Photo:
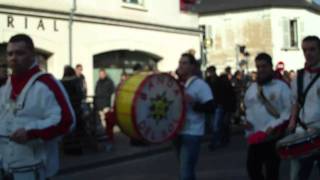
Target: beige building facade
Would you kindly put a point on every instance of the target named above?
(239, 31)
(113, 34)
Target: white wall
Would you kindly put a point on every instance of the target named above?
(230, 29)
(91, 38)
(104, 38)
(308, 22)
(164, 12)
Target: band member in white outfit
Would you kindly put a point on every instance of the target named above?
(34, 113)
(307, 105)
(268, 105)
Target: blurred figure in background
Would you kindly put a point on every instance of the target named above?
(3, 74)
(217, 113)
(102, 101)
(240, 85)
(79, 74)
(72, 84)
(227, 71)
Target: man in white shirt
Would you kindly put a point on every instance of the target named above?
(34, 113)
(199, 100)
(309, 112)
(268, 105)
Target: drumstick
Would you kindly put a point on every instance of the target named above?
(4, 136)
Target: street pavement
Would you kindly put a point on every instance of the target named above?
(223, 164)
(121, 152)
(158, 162)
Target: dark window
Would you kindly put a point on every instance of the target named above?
(293, 33)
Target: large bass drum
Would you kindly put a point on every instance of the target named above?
(150, 107)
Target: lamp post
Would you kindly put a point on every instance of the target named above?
(72, 12)
(237, 55)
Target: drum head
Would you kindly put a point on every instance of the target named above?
(158, 108)
(297, 138)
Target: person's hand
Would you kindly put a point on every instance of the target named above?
(269, 130)
(292, 124)
(311, 130)
(20, 136)
(247, 125)
(188, 98)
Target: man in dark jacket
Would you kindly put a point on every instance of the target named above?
(104, 89)
(103, 92)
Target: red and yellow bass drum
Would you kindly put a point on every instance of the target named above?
(150, 107)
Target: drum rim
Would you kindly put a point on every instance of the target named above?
(181, 119)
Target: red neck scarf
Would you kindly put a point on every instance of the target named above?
(18, 81)
(315, 69)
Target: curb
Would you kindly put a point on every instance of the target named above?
(120, 158)
(114, 160)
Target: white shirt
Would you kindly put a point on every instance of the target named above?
(278, 94)
(310, 112)
(201, 93)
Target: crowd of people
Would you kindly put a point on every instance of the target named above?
(47, 112)
(271, 104)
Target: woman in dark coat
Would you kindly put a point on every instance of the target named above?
(72, 85)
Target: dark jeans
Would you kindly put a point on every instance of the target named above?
(225, 128)
(263, 157)
(306, 166)
(216, 126)
(188, 148)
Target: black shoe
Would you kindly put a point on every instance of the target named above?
(212, 147)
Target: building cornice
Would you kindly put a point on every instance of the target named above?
(247, 9)
(94, 19)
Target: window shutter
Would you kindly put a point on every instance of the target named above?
(300, 30)
(286, 33)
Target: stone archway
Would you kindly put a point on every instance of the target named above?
(119, 62)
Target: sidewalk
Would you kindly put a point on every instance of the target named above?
(122, 152)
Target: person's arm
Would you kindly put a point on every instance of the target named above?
(58, 116)
(204, 101)
(206, 107)
(293, 119)
(285, 110)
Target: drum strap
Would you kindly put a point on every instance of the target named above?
(270, 108)
(302, 94)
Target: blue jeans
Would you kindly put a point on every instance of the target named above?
(304, 167)
(216, 125)
(188, 148)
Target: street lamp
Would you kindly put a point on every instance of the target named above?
(72, 12)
